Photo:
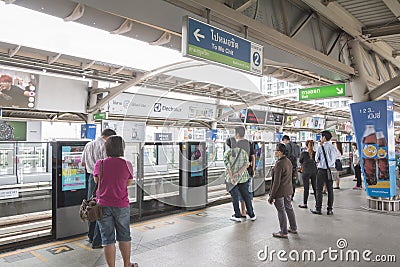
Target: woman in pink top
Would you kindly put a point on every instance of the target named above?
(112, 195)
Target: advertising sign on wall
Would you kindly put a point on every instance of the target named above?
(255, 116)
(18, 89)
(374, 129)
(159, 107)
(12, 130)
(131, 131)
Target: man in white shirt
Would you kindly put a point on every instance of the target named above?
(322, 175)
(92, 152)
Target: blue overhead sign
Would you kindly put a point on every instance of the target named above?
(201, 40)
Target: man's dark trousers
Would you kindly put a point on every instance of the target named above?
(322, 178)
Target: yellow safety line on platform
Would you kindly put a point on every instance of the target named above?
(32, 249)
(40, 257)
(82, 246)
(165, 218)
(40, 247)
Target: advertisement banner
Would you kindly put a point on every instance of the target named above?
(374, 130)
(255, 116)
(73, 173)
(129, 130)
(12, 130)
(274, 118)
(18, 89)
(160, 107)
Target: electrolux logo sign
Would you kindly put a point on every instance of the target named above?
(159, 107)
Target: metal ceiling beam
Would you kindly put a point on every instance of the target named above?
(344, 20)
(394, 6)
(245, 5)
(385, 88)
(382, 31)
(302, 25)
(271, 36)
(77, 13)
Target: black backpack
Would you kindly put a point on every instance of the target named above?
(293, 153)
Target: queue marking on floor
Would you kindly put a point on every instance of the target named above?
(63, 242)
(60, 249)
(40, 257)
(80, 238)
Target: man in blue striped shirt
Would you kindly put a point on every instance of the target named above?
(322, 175)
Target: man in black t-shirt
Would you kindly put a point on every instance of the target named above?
(244, 144)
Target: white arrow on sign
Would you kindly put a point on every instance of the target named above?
(197, 34)
(339, 91)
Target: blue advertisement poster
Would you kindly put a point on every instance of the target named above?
(374, 129)
(73, 173)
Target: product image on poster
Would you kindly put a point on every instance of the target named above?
(73, 173)
(18, 89)
(374, 130)
(196, 166)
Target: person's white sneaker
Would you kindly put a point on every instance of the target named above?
(252, 218)
(233, 218)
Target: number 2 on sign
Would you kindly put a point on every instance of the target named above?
(366, 110)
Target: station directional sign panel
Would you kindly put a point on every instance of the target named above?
(334, 90)
(203, 41)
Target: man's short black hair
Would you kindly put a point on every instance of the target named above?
(231, 142)
(285, 137)
(327, 135)
(108, 132)
(115, 146)
(240, 131)
(281, 148)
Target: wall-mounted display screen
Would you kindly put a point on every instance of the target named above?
(73, 173)
(18, 89)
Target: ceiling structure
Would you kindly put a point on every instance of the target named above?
(305, 42)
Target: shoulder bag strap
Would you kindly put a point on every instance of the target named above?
(98, 183)
(237, 157)
(326, 160)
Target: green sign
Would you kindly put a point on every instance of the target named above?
(203, 41)
(334, 90)
(100, 116)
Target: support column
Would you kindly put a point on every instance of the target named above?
(359, 86)
(92, 100)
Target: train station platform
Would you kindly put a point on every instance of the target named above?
(208, 238)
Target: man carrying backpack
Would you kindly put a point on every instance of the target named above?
(293, 153)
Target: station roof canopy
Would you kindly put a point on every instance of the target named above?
(375, 22)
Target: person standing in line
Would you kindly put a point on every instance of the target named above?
(112, 195)
(357, 167)
(281, 193)
(339, 152)
(293, 153)
(309, 171)
(92, 152)
(322, 174)
(243, 143)
(236, 161)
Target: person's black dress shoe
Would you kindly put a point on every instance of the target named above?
(316, 212)
(329, 212)
(303, 206)
(97, 246)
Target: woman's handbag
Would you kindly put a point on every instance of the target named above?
(338, 165)
(90, 210)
